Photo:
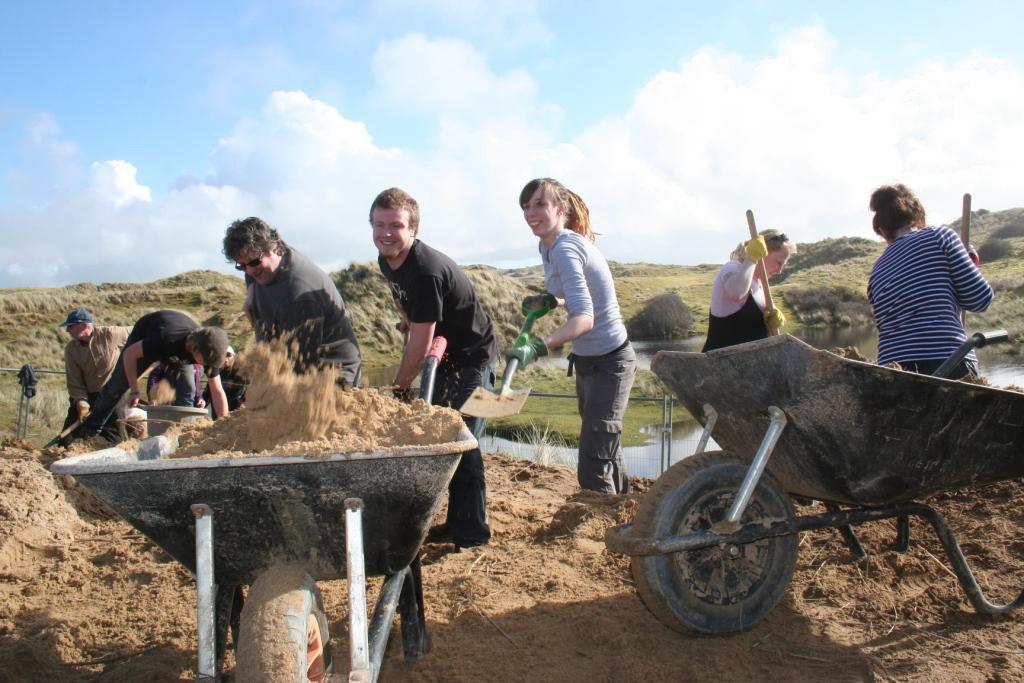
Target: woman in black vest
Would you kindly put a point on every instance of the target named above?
(737, 298)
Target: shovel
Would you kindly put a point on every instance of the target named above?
(505, 402)
(762, 273)
(55, 440)
(82, 414)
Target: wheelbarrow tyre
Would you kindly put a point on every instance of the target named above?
(284, 631)
(711, 590)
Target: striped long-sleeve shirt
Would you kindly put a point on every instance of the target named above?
(917, 288)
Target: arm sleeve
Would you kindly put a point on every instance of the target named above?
(571, 259)
(73, 376)
(973, 292)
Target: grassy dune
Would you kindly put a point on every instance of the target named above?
(824, 284)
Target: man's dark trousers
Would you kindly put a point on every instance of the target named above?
(467, 492)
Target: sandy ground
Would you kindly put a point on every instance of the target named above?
(85, 597)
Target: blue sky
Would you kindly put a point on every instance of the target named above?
(131, 134)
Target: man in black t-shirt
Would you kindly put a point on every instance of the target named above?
(438, 299)
(169, 337)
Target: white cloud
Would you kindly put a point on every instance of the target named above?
(114, 182)
(797, 140)
(451, 79)
(794, 137)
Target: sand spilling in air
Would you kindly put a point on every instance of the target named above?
(291, 414)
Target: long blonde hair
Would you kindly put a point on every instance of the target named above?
(774, 239)
(577, 215)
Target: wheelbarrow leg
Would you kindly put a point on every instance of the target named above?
(228, 607)
(846, 531)
(902, 533)
(414, 626)
(205, 609)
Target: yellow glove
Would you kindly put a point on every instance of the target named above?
(82, 407)
(756, 248)
(774, 320)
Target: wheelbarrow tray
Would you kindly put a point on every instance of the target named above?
(857, 433)
(272, 508)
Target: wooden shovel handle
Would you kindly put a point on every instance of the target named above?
(965, 222)
(762, 274)
(965, 237)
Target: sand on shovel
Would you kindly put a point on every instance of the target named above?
(311, 414)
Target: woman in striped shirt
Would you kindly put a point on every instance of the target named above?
(919, 285)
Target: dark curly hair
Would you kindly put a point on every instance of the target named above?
(252, 234)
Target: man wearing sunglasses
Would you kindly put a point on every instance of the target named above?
(290, 298)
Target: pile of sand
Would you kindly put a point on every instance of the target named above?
(35, 519)
(290, 414)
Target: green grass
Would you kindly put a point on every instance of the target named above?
(560, 416)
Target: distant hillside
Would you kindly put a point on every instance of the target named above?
(824, 284)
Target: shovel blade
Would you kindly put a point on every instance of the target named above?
(492, 404)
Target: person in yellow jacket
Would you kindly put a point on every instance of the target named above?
(89, 359)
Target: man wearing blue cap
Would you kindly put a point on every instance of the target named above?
(89, 359)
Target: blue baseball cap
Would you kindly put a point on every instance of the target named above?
(79, 315)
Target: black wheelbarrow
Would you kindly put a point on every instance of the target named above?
(231, 521)
(713, 543)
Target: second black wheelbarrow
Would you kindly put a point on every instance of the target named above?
(713, 544)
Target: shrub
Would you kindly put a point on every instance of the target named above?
(664, 316)
(1014, 229)
(839, 307)
(995, 249)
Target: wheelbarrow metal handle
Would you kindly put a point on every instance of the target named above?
(975, 341)
(434, 355)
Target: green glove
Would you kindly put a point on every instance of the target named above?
(541, 303)
(528, 352)
(756, 248)
(774, 320)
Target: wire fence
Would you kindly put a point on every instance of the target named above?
(669, 441)
(28, 387)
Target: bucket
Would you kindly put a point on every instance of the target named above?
(161, 417)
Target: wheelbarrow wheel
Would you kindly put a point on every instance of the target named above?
(283, 633)
(721, 589)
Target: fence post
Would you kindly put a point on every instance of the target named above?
(666, 434)
(671, 405)
(27, 379)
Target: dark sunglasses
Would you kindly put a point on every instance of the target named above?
(778, 238)
(249, 264)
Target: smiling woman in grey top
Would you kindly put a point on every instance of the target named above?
(578, 277)
(574, 270)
